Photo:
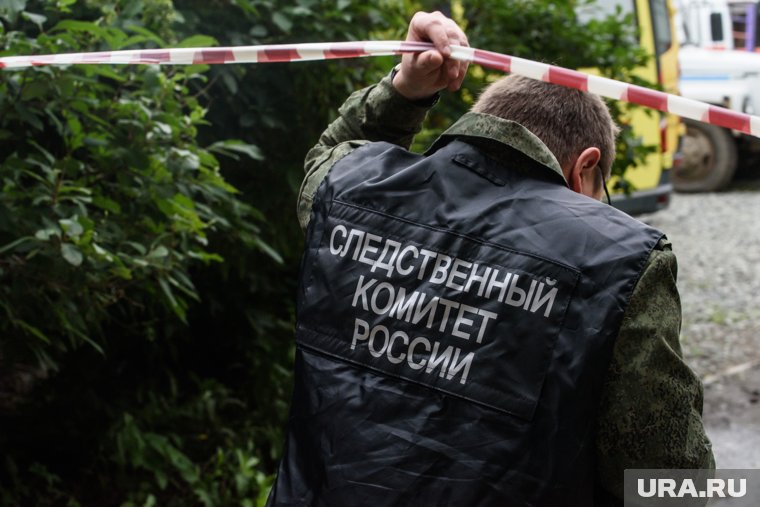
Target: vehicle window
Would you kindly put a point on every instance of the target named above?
(716, 26)
(745, 19)
(663, 37)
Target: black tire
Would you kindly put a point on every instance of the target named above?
(709, 159)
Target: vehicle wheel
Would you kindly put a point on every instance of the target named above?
(709, 159)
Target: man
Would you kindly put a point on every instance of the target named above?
(474, 327)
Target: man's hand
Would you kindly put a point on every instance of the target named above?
(423, 74)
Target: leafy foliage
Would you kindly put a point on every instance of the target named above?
(148, 241)
(109, 209)
(107, 197)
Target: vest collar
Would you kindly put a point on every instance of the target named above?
(497, 134)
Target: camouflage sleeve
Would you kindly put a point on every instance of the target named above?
(376, 113)
(651, 407)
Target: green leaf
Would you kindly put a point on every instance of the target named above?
(176, 307)
(35, 89)
(71, 226)
(230, 82)
(158, 253)
(106, 204)
(271, 252)
(185, 160)
(148, 35)
(205, 256)
(110, 73)
(72, 254)
(188, 291)
(282, 22)
(46, 234)
(78, 26)
(14, 244)
(85, 338)
(37, 19)
(28, 115)
(11, 8)
(181, 201)
(137, 246)
(163, 128)
(258, 31)
(63, 5)
(161, 479)
(195, 41)
(102, 252)
(123, 272)
(232, 146)
(32, 330)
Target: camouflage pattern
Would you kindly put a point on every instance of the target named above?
(495, 134)
(377, 113)
(651, 406)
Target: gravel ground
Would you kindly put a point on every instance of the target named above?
(716, 237)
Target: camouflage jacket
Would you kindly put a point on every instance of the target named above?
(650, 411)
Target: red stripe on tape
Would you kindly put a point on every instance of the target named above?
(2, 65)
(567, 77)
(279, 55)
(650, 98)
(729, 119)
(345, 52)
(155, 56)
(493, 60)
(214, 56)
(95, 57)
(414, 47)
(42, 60)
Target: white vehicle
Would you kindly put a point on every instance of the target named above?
(713, 71)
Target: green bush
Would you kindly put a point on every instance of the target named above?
(109, 208)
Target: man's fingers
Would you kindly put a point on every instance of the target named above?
(431, 27)
(463, 66)
(455, 34)
(429, 60)
(434, 27)
(451, 69)
(423, 74)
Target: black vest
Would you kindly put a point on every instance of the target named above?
(456, 318)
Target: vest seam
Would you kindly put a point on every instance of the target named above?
(635, 280)
(328, 334)
(375, 371)
(630, 287)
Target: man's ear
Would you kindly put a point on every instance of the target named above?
(582, 175)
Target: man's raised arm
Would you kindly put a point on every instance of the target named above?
(393, 109)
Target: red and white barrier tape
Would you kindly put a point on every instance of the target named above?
(605, 87)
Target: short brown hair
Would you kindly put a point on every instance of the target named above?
(565, 119)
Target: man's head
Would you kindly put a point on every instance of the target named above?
(576, 126)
